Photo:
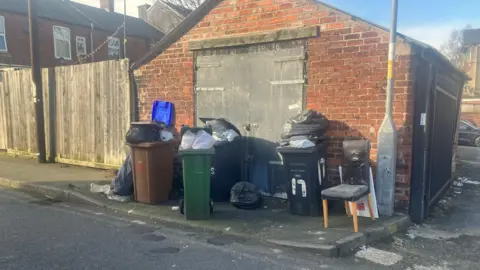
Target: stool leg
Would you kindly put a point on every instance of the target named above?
(325, 213)
(355, 218)
(347, 209)
(370, 209)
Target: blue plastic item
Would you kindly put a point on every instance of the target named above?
(162, 111)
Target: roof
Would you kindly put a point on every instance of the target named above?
(71, 12)
(180, 9)
(471, 37)
(208, 5)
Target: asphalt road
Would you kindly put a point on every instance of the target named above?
(44, 234)
(37, 233)
(468, 153)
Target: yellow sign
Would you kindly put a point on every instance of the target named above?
(390, 69)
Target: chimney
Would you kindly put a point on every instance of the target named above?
(108, 5)
(142, 11)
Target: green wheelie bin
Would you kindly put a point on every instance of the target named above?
(197, 165)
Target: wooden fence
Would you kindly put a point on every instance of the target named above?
(86, 107)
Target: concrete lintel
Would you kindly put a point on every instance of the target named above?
(265, 37)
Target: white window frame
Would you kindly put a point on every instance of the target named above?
(4, 34)
(69, 43)
(84, 41)
(112, 47)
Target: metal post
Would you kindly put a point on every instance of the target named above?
(124, 28)
(387, 135)
(37, 79)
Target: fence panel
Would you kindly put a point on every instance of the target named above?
(86, 109)
(92, 113)
(18, 133)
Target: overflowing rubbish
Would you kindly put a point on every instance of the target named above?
(228, 135)
(307, 123)
(121, 188)
(301, 144)
(107, 191)
(122, 184)
(226, 168)
(245, 195)
(199, 140)
(141, 132)
(222, 129)
(166, 136)
(187, 140)
(203, 140)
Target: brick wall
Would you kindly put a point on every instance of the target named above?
(17, 34)
(347, 68)
(471, 111)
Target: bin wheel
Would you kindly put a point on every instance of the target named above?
(182, 206)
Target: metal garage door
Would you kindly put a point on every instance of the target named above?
(257, 88)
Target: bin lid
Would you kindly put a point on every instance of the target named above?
(295, 150)
(196, 152)
(150, 144)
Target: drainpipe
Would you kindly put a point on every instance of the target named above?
(387, 135)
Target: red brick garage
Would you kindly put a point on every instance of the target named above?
(345, 68)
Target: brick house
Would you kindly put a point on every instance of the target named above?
(308, 55)
(69, 32)
(163, 14)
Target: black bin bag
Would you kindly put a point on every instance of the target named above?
(122, 185)
(245, 195)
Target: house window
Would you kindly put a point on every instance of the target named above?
(113, 48)
(81, 45)
(61, 42)
(3, 37)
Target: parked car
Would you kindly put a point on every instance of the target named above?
(468, 134)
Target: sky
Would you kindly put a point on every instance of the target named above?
(429, 21)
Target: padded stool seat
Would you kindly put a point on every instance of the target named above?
(344, 192)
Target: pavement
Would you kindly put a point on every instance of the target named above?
(448, 240)
(272, 224)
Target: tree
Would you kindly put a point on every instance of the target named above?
(452, 48)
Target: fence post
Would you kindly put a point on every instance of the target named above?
(52, 108)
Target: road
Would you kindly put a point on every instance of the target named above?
(44, 234)
(38, 233)
(469, 153)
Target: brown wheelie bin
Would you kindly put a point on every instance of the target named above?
(152, 171)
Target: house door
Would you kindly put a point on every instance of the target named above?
(257, 88)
